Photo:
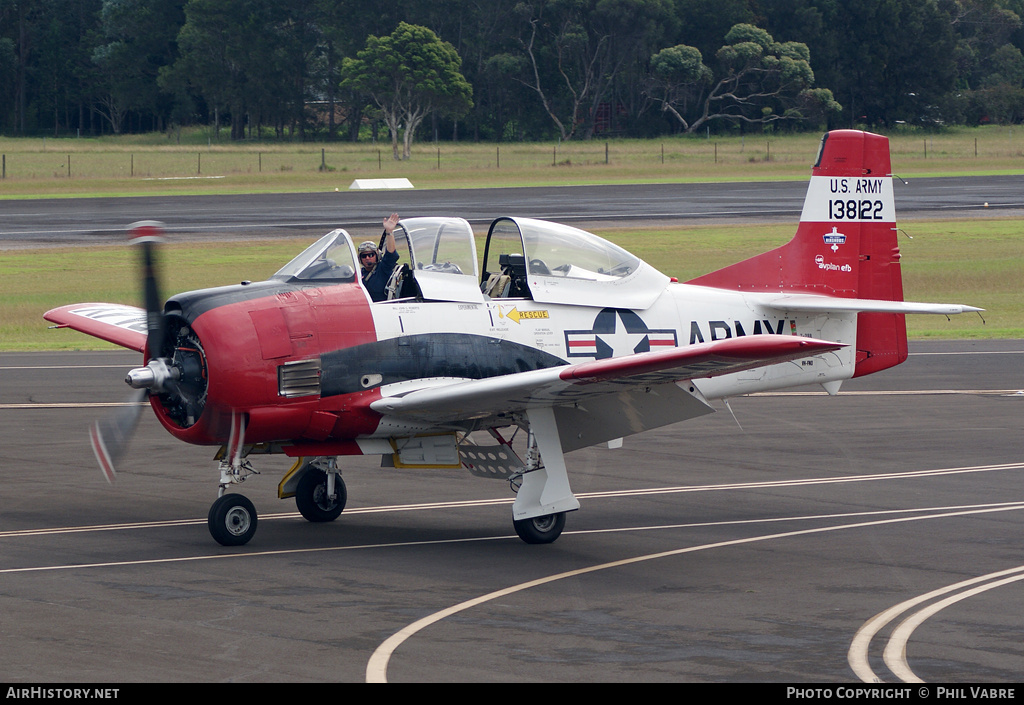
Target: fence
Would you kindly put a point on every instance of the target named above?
(36, 159)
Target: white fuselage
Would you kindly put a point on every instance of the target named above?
(682, 315)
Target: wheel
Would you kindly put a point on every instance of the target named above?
(232, 520)
(311, 497)
(543, 529)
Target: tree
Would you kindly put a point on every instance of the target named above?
(758, 80)
(248, 57)
(886, 60)
(408, 75)
(676, 74)
(573, 52)
(137, 40)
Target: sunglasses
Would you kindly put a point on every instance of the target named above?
(364, 255)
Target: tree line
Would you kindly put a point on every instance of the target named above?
(503, 70)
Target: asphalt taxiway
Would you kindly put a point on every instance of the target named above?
(871, 535)
(55, 221)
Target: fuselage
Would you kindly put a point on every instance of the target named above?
(305, 362)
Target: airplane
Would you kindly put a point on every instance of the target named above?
(560, 335)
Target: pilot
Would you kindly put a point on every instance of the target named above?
(377, 266)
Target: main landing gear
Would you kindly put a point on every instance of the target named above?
(542, 489)
(542, 529)
(320, 496)
(543, 496)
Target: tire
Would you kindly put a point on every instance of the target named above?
(311, 497)
(544, 529)
(232, 520)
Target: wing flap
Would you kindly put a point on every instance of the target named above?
(115, 323)
(712, 359)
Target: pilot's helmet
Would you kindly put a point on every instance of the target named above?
(368, 246)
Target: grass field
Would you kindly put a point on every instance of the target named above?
(973, 262)
(161, 164)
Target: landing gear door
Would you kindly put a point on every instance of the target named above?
(443, 258)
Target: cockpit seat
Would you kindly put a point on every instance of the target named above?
(497, 286)
(513, 265)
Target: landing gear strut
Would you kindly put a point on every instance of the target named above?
(232, 519)
(543, 495)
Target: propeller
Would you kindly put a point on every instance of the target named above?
(110, 436)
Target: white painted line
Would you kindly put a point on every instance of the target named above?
(857, 656)
(376, 668)
(472, 503)
(895, 654)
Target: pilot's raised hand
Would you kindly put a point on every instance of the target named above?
(390, 222)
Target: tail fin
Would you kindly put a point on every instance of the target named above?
(845, 245)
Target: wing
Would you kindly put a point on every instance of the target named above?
(115, 323)
(602, 399)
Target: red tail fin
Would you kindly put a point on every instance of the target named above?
(845, 245)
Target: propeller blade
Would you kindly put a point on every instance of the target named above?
(110, 436)
(148, 234)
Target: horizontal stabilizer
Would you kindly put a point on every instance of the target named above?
(809, 303)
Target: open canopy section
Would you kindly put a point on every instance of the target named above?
(554, 263)
(440, 259)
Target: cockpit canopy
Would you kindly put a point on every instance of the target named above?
(523, 258)
(440, 257)
(553, 263)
